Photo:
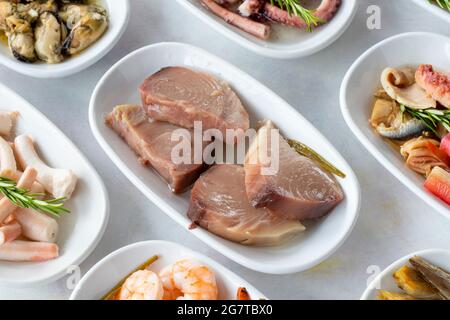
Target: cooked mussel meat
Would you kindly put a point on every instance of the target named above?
(86, 28)
(6, 10)
(49, 35)
(20, 38)
(31, 11)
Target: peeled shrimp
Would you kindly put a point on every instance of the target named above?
(188, 280)
(142, 285)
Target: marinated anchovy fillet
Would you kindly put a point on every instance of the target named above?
(220, 205)
(437, 277)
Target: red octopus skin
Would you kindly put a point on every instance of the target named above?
(436, 84)
(325, 12)
(249, 7)
(257, 29)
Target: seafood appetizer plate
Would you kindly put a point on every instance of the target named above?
(434, 9)
(116, 266)
(363, 80)
(285, 42)
(79, 231)
(386, 282)
(120, 85)
(118, 12)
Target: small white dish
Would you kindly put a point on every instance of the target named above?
(362, 80)
(79, 231)
(286, 42)
(118, 14)
(385, 281)
(109, 271)
(120, 85)
(434, 9)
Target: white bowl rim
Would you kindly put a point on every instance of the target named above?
(162, 205)
(197, 255)
(231, 34)
(80, 64)
(431, 200)
(397, 264)
(434, 9)
(104, 198)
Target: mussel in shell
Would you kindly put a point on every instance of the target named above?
(49, 35)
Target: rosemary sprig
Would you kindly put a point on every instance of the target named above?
(293, 7)
(25, 199)
(444, 4)
(430, 117)
(306, 151)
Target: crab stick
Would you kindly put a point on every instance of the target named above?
(21, 251)
(37, 226)
(10, 232)
(26, 181)
(35, 188)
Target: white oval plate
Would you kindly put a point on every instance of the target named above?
(434, 9)
(120, 85)
(362, 80)
(109, 271)
(292, 46)
(80, 230)
(385, 281)
(118, 11)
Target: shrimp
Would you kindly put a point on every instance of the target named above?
(188, 280)
(142, 285)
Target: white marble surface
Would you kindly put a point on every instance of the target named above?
(392, 223)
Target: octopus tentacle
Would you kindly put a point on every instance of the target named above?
(436, 84)
(249, 7)
(326, 10)
(257, 29)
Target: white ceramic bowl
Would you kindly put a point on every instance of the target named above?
(434, 9)
(109, 271)
(80, 230)
(118, 12)
(120, 85)
(293, 44)
(385, 281)
(362, 80)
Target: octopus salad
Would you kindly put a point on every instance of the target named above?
(412, 112)
(256, 16)
(50, 31)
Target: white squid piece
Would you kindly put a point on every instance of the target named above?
(60, 183)
(37, 226)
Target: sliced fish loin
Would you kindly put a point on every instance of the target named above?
(300, 189)
(182, 96)
(151, 140)
(219, 204)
